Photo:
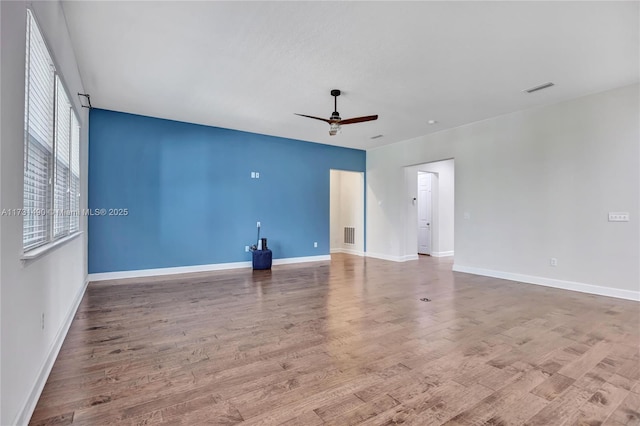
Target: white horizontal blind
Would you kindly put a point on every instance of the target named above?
(39, 104)
(75, 173)
(51, 149)
(62, 169)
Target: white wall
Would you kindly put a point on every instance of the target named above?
(1, 97)
(443, 207)
(536, 184)
(335, 240)
(347, 209)
(53, 283)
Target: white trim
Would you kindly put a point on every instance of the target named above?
(41, 250)
(24, 415)
(408, 257)
(347, 251)
(551, 282)
(383, 256)
(442, 253)
(392, 258)
(303, 259)
(140, 273)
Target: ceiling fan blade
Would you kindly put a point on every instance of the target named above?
(315, 118)
(359, 119)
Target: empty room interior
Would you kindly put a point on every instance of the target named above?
(311, 213)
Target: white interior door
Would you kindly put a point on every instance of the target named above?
(424, 213)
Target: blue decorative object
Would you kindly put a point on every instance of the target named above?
(262, 259)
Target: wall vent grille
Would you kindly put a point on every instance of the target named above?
(349, 235)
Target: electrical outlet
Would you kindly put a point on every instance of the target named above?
(257, 175)
(553, 261)
(618, 216)
(258, 224)
(315, 244)
(467, 215)
(42, 321)
(246, 248)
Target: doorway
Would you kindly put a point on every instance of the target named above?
(424, 203)
(429, 213)
(346, 218)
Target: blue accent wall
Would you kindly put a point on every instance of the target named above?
(190, 197)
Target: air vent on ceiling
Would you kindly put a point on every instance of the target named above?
(540, 87)
(376, 137)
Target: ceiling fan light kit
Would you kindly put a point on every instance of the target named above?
(335, 122)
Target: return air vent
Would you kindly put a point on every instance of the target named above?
(349, 235)
(540, 87)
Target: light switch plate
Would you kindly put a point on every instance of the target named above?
(618, 216)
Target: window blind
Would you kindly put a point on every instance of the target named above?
(75, 174)
(61, 190)
(39, 104)
(51, 149)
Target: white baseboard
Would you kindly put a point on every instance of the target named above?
(408, 257)
(303, 259)
(24, 415)
(347, 251)
(141, 273)
(392, 258)
(442, 253)
(551, 282)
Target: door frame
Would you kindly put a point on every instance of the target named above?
(360, 236)
(429, 205)
(443, 227)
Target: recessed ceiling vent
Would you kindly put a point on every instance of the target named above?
(376, 137)
(540, 87)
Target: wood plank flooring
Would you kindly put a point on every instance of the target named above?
(341, 343)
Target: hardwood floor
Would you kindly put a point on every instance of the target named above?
(345, 342)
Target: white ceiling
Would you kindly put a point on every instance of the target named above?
(252, 65)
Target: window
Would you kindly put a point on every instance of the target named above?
(51, 149)
(61, 169)
(74, 185)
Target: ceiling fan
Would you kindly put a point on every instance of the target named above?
(335, 121)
